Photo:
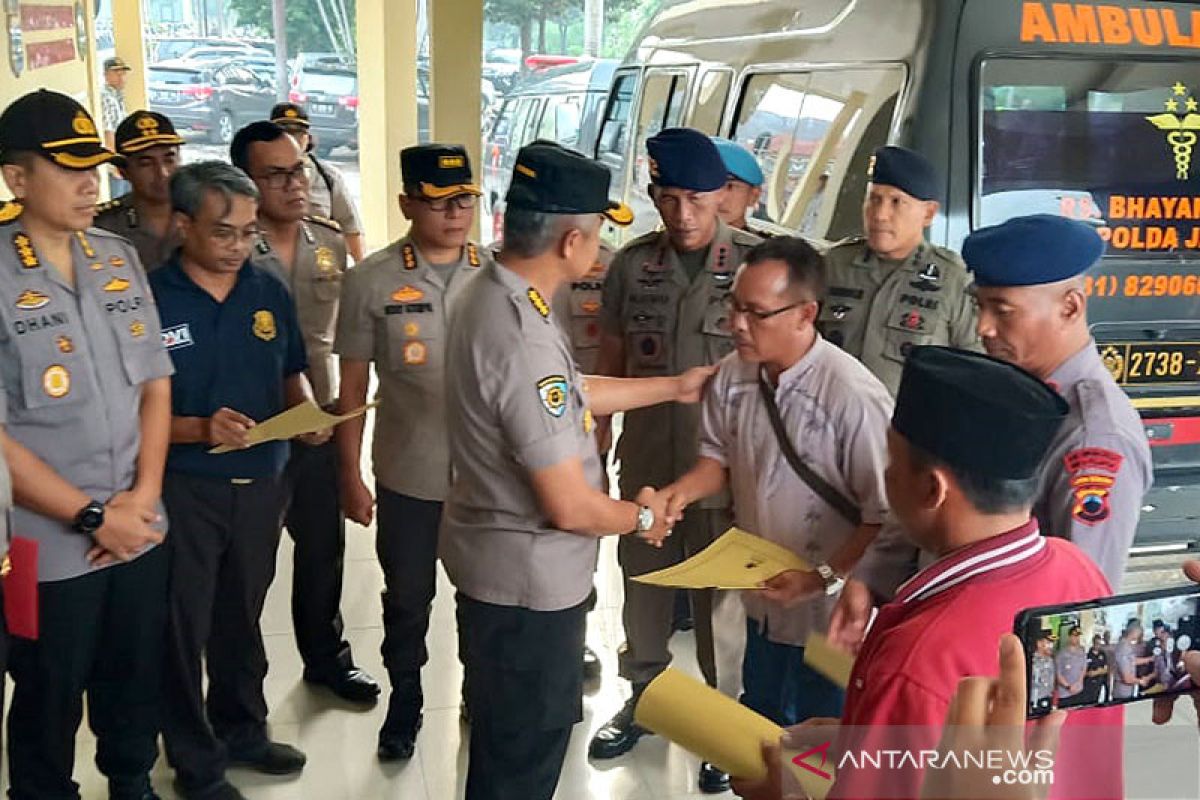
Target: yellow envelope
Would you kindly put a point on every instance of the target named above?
(737, 560)
(307, 417)
(828, 660)
(718, 729)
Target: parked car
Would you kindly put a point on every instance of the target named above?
(330, 95)
(181, 90)
(488, 97)
(213, 101)
(218, 55)
(169, 49)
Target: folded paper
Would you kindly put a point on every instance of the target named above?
(737, 560)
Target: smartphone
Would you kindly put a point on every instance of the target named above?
(1110, 651)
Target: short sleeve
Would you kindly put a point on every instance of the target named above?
(865, 452)
(341, 207)
(295, 359)
(160, 365)
(355, 327)
(714, 427)
(964, 330)
(612, 296)
(534, 404)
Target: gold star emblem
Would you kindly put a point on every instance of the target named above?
(1172, 106)
(1192, 105)
(1179, 89)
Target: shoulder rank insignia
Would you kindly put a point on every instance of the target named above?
(409, 255)
(86, 246)
(539, 303)
(308, 234)
(333, 225)
(25, 252)
(472, 254)
(262, 246)
(10, 211)
(107, 205)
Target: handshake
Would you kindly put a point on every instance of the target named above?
(667, 505)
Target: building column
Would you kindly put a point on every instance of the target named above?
(387, 110)
(130, 45)
(456, 66)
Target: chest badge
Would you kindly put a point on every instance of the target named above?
(64, 344)
(116, 261)
(928, 279)
(912, 320)
(415, 353)
(839, 311)
(32, 300)
(116, 285)
(56, 381)
(264, 325)
(408, 294)
(324, 257)
(412, 329)
(553, 392)
(137, 329)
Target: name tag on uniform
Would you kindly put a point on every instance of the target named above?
(178, 336)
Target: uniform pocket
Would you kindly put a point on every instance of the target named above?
(906, 330)
(327, 287)
(414, 344)
(52, 373)
(646, 340)
(835, 319)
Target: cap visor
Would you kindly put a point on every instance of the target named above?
(81, 158)
(438, 192)
(285, 121)
(619, 214)
(146, 142)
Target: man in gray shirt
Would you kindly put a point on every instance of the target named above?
(524, 515)
(1070, 664)
(1042, 670)
(1126, 661)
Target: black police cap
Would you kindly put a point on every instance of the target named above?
(549, 178)
(905, 169)
(437, 170)
(142, 130)
(984, 416)
(289, 114)
(55, 127)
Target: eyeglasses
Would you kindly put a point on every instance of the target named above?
(463, 202)
(278, 179)
(231, 237)
(734, 309)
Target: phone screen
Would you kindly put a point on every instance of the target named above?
(1111, 651)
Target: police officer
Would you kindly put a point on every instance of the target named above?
(396, 312)
(524, 515)
(743, 187)
(1033, 312)
(663, 311)
(233, 333)
(308, 254)
(85, 403)
(148, 155)
(327, 190)
(890, 290)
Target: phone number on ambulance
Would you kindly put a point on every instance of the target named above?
(1142, 286)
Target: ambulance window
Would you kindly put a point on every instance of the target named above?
(1113, 143)
(560, 119)
(664, 96)
(503, 123)
(813, 134)
(523, 121)
(614, 132)
(710, 100)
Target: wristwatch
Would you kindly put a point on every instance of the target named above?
(645, 519)
(833, 582)
(90, 518)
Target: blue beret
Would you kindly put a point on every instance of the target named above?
(1029, 251)
(685, 159)
(907, 170)
(739, 162)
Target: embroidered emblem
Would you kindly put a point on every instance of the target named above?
(415, 353)
(553, 392)
(539, 303)
(264, 325)
(56, 381)
(31, 300)
(408, 294)
(24, 248)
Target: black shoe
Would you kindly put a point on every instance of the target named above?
(591, 664)
(351, 684)
(270, 758)
(221, 790)
(131, 789)
(620, 734)
(713, 780)
(398, 745)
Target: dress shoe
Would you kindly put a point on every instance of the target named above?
(351, 684)
(620, 734)
(270, 758)
(131, 789)
(713, 780)
(591, 664)
(398, 745)
(221, 790)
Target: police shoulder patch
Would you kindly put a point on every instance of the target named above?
(552, 390)
(744, 238)
(1093, 473)
(324, 221)
(108, 205)
(10, 210)
(539, 303)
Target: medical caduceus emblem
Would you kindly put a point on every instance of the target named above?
(1180, 126)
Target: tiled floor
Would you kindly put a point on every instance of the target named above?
(340, 740)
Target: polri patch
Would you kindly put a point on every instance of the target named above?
(553, 392)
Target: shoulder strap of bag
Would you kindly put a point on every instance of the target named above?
(838, 501)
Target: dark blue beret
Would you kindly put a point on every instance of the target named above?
(986, 417)
(907, 170)
(685, 159)
(1032, 250)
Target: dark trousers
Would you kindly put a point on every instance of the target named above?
(780, 686)
(222, 546)
(526, 692)
(101, 633)
(649, 610)
(314, 521)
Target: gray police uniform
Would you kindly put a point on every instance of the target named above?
(577, 308)
(516, 405)
(1070, 662)
(121, 217)
(1042, 678)
(314, 518)
(396, 312)
(73, 361)
(669, 323)
(329, 197)
(878, 311)
(1098, 468)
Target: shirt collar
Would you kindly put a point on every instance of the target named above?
(810, 359)
(1077, 367)
(868, 257)
(1006, 550)
(173, 274)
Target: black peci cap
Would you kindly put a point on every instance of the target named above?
(55, 127)
(976, 413)
(554, 180)
(437, 170)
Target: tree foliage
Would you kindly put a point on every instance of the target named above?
(312, 25)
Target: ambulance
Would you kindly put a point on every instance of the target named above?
(1090, 110)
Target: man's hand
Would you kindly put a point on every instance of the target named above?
(792, 587)
(126, 531)
(228, 427)
(357, 502)
(691, 383)
(781, 784)
(1165, 706)
(675, 500)
(316, 438)
(848, 625)
(988, 715)
(663, 522)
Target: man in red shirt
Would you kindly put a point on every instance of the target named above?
(967, 439)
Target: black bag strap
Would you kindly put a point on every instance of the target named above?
(839, 502)
(324, 173)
